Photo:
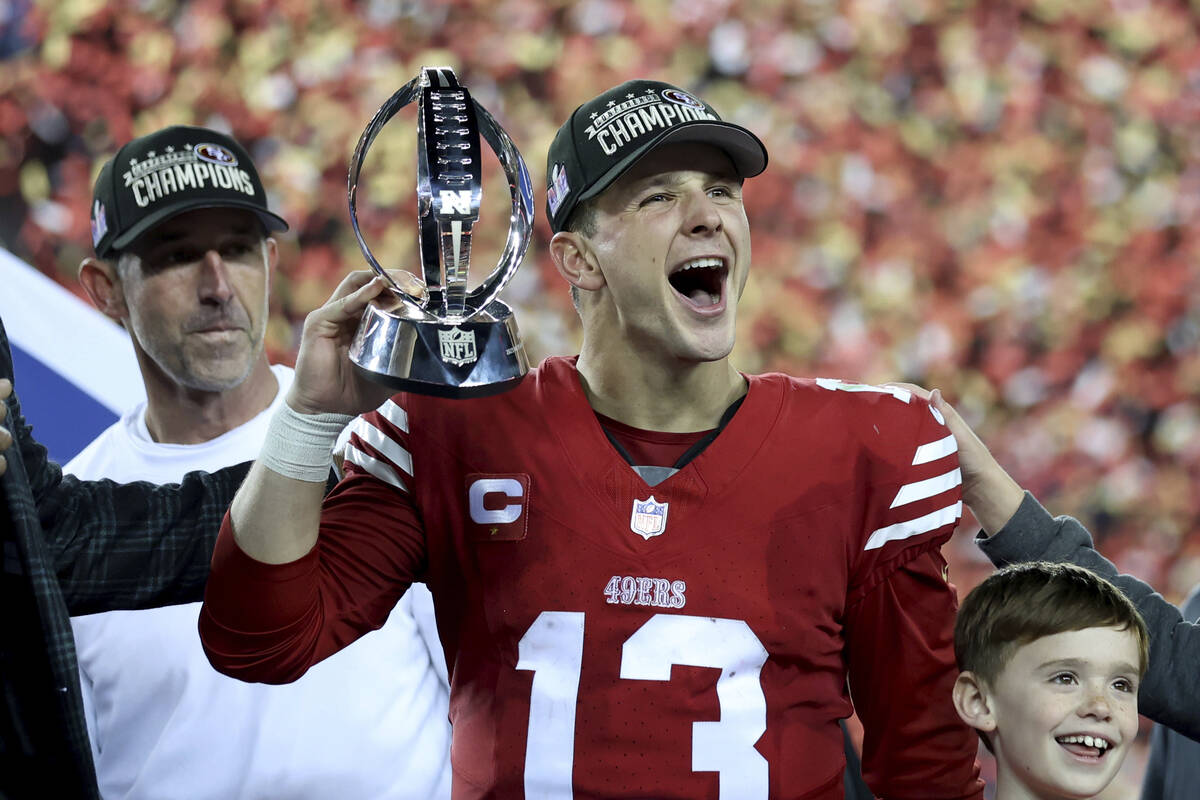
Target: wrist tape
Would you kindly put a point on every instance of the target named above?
(300, 446)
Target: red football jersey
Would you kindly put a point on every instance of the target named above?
(686, 640)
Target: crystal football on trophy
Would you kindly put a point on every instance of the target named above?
(458, 342)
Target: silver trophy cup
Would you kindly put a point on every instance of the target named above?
(458, 342)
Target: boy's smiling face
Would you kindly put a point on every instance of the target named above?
(1062, 713)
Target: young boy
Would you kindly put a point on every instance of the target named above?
(1051, 656)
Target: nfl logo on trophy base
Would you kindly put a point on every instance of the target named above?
(458, 347)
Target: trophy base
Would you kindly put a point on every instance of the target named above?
(411, 352)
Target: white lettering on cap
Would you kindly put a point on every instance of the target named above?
(617, 131)
(176, 178)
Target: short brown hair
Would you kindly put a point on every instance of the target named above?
(583, 218)
(1023, 602)
(582, 221)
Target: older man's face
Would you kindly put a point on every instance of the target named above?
(195, 289)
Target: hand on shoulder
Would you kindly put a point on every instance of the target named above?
(988, 489)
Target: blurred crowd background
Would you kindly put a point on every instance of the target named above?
(998, 199)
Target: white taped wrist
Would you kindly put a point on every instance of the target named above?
(300, 446)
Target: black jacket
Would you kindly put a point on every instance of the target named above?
(77, 547)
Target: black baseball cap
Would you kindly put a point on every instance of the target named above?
(607, 135)
(165, 173)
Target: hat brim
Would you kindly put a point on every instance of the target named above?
(745, 150)
(272, 222)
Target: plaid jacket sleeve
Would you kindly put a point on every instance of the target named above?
(137, 545)
(123, 546)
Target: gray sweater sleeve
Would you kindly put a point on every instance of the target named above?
(1170, 691)
(1173, 770)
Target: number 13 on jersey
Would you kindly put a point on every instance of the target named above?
(552, 649)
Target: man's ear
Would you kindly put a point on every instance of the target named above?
(973, 702)
(272, 254)
(575, 261)
(103, 288)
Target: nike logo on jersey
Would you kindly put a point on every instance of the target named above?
(497, 505)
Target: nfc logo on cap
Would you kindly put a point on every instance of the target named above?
(498, 503)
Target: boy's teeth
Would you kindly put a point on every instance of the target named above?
(703, 262)
(1086, 741)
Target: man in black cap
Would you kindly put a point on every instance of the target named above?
(180, 225)
(184, 259)
(654, 575)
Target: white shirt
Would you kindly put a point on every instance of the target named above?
(370, 722)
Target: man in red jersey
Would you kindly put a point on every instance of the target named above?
(654, 576)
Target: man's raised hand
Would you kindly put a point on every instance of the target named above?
(325, 379)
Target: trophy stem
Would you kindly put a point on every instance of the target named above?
(453, 181)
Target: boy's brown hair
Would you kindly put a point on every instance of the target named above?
(1023, 602)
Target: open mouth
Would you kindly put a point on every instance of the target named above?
(701, 281)
(1091, 748)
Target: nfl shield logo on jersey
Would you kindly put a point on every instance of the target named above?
(458, 346)
(649, 517)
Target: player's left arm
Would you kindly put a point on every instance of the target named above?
(900, 648)
(900, 611)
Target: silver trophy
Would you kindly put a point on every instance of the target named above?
(459, 342)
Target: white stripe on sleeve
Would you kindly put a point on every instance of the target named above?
(914, 527)
(394, 414)
(935, 450)
(920, 490)
(379, 469)
(386, 445)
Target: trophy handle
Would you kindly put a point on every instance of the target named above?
(520, 226)
(402, 97)
(520, 189)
